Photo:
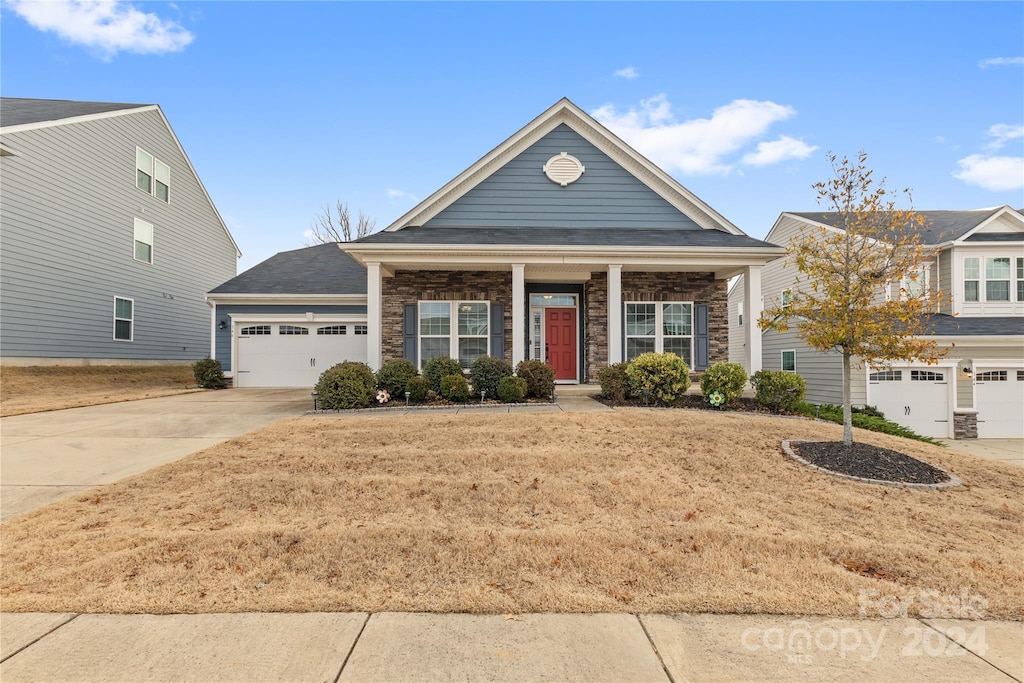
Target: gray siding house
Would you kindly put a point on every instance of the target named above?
(109, 238)
(562, 244)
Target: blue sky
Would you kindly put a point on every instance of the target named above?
(284, 107)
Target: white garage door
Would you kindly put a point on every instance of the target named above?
(999, 394)
(294, 355)
(918, 398)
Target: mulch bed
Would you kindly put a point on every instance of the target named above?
(869, 462)
(693, 402)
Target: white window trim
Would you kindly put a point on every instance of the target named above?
(131, 321)
(786, 298)
(983, 279)
(782, 360)
(152, 238)
(659, 330)
(151, 172)
(453, 328)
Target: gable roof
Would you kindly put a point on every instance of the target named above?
(18, 111)
(321, 269)
(565, 112)
(939, 226)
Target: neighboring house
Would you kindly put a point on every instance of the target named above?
(109, 239)
(562, 244)
(979, 382)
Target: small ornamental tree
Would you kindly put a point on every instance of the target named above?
(859, 288)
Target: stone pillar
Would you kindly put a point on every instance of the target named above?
(751, 312)
(965, 423)
(614, 314)
(518, 313)
(374, 317)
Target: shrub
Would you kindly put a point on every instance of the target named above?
(665, 375)
(346, 385)
(777, 389)
(614, 382)
(436, 368)
(455, 388)
(861, 419)
(539, 376)
(209, 374)
(394, 375)
(486, 373)
(512, 389)
(726, 378)
(418, 388)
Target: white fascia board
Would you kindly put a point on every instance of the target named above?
(998, 362)
(36, 125)
(290, 299)
(256, 318)
(960, 341)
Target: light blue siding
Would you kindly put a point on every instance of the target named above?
(520, 195)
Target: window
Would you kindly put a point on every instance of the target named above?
(787, 297)
(659, 328)
(917, 286)
(143, 241)
(255, 330)
(152, 175)
(997, 279)
(332, 329)
(886, 376)
(972, 275)
(1020, 279)
(789, 361)
(292, 329)
(1020, 375)
(567, 300)
(360, 329)
(467, 339)
(739, 315)
(991, 376)
(926, 376)
(124, 319)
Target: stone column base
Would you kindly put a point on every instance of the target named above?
(965, 424)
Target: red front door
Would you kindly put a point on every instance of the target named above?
(560, 341)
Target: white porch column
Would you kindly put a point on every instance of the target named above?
(518, 313)
(614, 314)
(751, 312)
(374, 316)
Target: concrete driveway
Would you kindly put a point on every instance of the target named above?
(45, 457)
(1010, 451)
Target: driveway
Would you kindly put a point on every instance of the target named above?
(1002, 450)
(45, 457)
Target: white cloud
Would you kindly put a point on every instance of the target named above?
(996, 173)
(778, 150)
(1001, 61)
(104, 25)
(1004, 133)
(628, 73)
(401, 194)
(697, 146)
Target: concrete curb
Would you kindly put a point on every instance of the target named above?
(953, 479)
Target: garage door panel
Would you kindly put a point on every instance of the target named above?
(294, 359)
(999, 396)
(917, 398)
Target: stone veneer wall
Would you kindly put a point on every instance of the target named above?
(410, 286)
(965, 424)
(595, 324)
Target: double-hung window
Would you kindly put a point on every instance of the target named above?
(457, 329)
(972, 277)
(1020, 279)
(659, 328)
(124, 319)
(152, 175)
(143, 241)
(789, 361)
(997, 278)
(917, 286)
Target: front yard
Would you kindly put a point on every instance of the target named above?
(633, 511)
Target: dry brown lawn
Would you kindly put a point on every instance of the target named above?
(636, 510)
(51, 387)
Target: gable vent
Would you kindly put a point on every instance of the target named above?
(563, 169)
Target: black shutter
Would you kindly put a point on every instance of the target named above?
(700, 351)
(409, 333)
(497, 330)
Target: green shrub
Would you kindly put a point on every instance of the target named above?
(778, 389)
(539, 376)
(436, 368)
(726, 378)
(394, 375)
(834, 413)
(665, 376)
(346, 385)
(869, 410)
(486, 372)
(614, 382)
(209, 374)
(418, 388)
(512, 389)
(455, 388)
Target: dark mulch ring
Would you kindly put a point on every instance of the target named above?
(869, 462)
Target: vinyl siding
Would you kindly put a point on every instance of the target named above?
(963, 351)
(945, 279)
(823, 372)
(737, 334)
(780, 273)
(520, 195)
(67, 245)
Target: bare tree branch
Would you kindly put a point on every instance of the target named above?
(337, 226)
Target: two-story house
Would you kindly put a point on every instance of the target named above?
(109, 240)
(977, 387)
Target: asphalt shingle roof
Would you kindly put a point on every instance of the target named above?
(15, 111)
(949, 326)
(322, 269)
(939, 226)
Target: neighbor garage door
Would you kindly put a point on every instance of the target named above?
(999, 396)
(917, 398)
(294, 355)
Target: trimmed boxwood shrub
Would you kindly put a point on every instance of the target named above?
(512, 389)
(726, 378)
(418, 388)
(614, 382)
(209, 374)
(486, 373)
(665, 375)
(346, 385)
(455, 388)
(539, 376)
(394, 375)
(778, 389)
(436, 368)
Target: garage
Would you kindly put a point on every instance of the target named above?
(917, 398)
(275, 354)
(999, 396)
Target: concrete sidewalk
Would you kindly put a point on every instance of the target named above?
(516, 648)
